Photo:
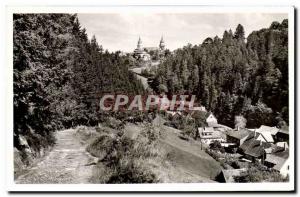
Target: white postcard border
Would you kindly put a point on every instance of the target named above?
(11, 186)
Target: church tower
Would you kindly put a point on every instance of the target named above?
(162, 44)
(139, 44)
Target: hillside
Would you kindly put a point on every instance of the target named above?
(234, 75)
(187, 157)
(185, 161)
(59, 76)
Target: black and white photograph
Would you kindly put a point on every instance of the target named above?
(152, 99)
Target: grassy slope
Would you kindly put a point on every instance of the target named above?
(188, 156)
(186, 162)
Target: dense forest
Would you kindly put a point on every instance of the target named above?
(233, 75)
(58, 76)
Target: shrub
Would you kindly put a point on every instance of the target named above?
(189, 130)
(151, 132)
(101, 146)
(131, 172)
(255, 174)
(216, 145)
(235, 165)
(85, 134)
(128, 160)
(113, 123)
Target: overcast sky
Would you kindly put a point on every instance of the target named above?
(121, 31)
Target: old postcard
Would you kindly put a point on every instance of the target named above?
(149, 98)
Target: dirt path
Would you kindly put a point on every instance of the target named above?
(67, 162)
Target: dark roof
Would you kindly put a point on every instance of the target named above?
(278, 157)
(285, 131)
(281, 152)
(240, 134)
(151, 48)
(254, 147)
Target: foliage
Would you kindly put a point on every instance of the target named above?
(216, 146)
(59, 75)
(42, 60)
(254, 174)
(113, 123)
(234, 76)
(128, 160)
(240, 122)
(200, 118)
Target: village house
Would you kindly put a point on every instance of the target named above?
(265, 137)
(237, 137)
(208, 135)
(278, 160)
(282, 144)
(258, 145)
(277, 135)
(211, 120)
(254, 147)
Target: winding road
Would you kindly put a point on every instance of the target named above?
(144, 80)
(67, 162)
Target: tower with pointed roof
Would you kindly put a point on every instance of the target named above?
(139, 44)
(148, 53)
(162, 44)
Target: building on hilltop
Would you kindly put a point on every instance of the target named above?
(148, 53)
(140, 53)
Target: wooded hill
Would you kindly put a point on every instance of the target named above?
(234, 75)
(58, 73)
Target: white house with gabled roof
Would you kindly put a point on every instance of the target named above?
(211, 120)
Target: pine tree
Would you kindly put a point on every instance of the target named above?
(239, 32)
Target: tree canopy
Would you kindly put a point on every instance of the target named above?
(59, 75)
(234, 76)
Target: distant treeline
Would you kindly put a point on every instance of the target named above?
(57, 73)
(234, 75)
